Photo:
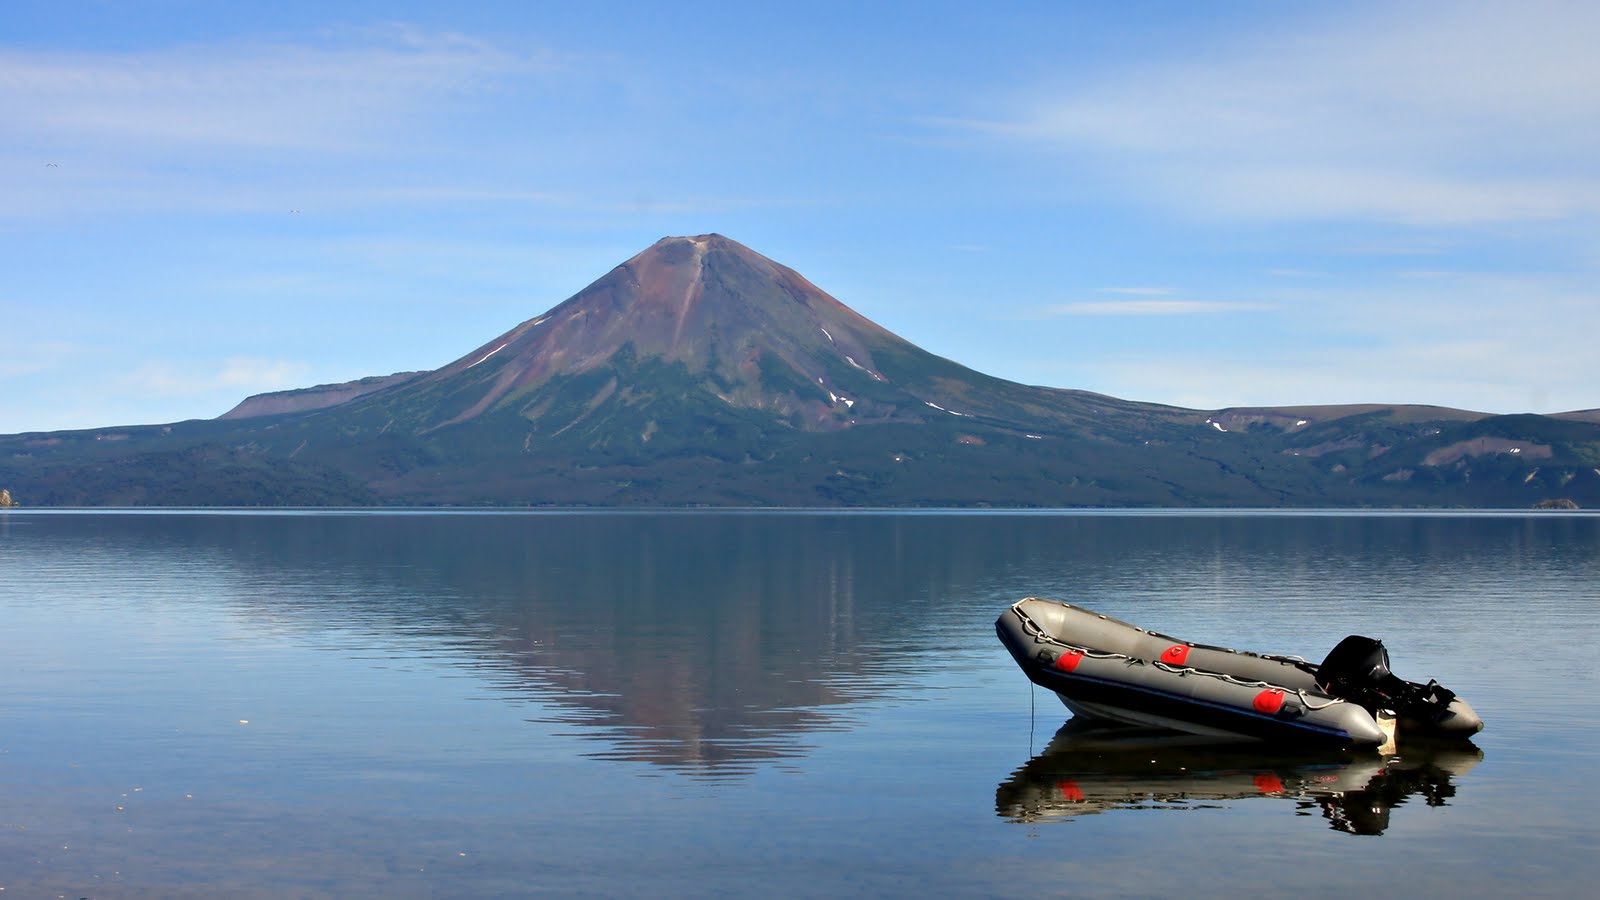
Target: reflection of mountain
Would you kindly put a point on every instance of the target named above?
(688, 641)
(705, 643)
(1091, 768)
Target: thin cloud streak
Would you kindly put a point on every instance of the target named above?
(34, 357)
(243, 374)
(1491, 342)
(1137, 291)
(1152, 308)
(1481, 375)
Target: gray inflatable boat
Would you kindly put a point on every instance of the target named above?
(1103, 668)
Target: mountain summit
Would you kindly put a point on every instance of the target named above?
(737, 322)
(700, 372)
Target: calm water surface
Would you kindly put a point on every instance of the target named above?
(792, 704)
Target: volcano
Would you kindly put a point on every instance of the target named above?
(700, 372)
(752, 333)
(697, 371)
(711, 316)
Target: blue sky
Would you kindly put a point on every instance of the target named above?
(1200, 204)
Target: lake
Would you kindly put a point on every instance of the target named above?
(796, 704)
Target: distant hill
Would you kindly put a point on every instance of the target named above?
(702, 373)
(321, 396)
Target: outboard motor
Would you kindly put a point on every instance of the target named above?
(1357, 670)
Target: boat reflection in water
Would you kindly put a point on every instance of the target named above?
(1093, 767)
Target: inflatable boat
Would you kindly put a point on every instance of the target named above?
(1103, 668)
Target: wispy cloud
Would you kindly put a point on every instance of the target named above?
(33, 357)
(249, 125)
(1137, 291)
(240, 374)
(1433, 113)
(1151, 308)
(1491, 342)
(1488, 375)
(339, 93)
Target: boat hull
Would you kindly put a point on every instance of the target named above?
(1106, 669)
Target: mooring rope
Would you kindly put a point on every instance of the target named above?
(1030, 720)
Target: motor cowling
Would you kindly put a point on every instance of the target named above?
(1357, 670)
(1358, 665)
